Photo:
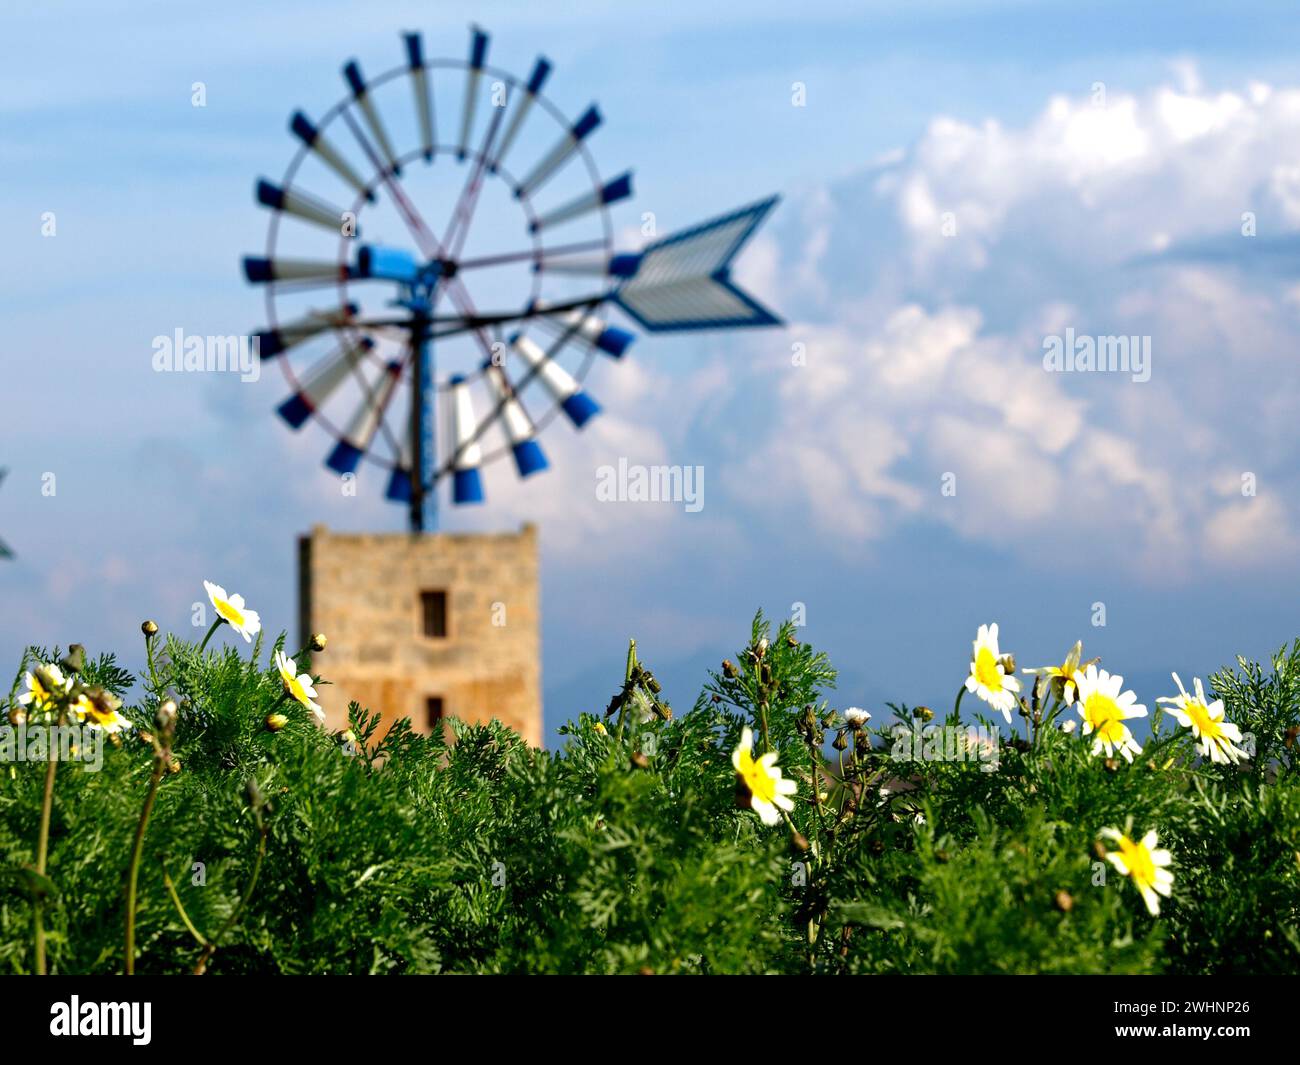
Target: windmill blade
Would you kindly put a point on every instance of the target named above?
(621, 265)
(423, 96)
(477, 55)
(301, 205)
(361, 94)
(467, 482)
(595, 331)
(541, 71)
(684, 281)
(557, 381)
(259, 270)
(528, 454)
(365, 421)
(560, 153)
(322, 381)
(273, 342)
(618, 189)
(303, 129)
(399, 481)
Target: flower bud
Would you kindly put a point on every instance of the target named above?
(1064, 901)
(318, 641)
(728, 670)
(17, 716)
(924, 713)
(174, 766)
(75, 660)
(841, 741)
(1009, 664)
(799, 841)
(149, 628)
(275, 722)
(166, 717)
(761, 648)
(640, 760)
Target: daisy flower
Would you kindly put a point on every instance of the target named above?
(1062, 676)
(46, 684)
(762, 779)
(1104, 710)
(99, 709)
(298, 684)
(989, 677)
(1144, 863)
(231, 610)
(1205, 719)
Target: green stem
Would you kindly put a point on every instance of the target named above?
(133, 874)
(42, 854)
(215, 625)
(185, 917)
(956, 707)
(201, 967)
(627, 680)
(153, 672)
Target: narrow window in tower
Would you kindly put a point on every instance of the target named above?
(433, 712)
(433, 607)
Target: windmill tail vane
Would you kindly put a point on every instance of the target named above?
(360, 359)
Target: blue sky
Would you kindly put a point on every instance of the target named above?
(822, 480)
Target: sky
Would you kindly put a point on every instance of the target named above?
(959, 182)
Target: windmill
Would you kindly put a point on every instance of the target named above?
(355, 325)
(4, 550)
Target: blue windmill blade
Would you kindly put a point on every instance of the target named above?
(301, 205)
(361, 94)
(306, 131)
(365, 422)
(423, 94)
(524, 105)
(273, 342)
(322, 381)
(684, 281)
(478, 46)
(467, 482)
(577, 405)
(528, 454)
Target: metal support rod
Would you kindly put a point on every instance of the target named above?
(424, 498)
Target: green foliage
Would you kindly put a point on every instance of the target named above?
(630, 848)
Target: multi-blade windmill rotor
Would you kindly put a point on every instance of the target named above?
(356, 330)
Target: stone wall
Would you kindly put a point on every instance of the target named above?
(363, 592)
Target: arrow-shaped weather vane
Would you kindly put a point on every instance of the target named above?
(525, 366)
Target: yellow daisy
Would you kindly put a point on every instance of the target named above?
(1062, 676)
(762, 779)
(1144, 863)
(1104, 710)
(1205, 719)
(99, 709)
(990, 678)
(231, 609)
(298, 684)
(46, 685)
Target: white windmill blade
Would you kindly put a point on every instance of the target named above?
(423, 97)
(595, 331)
(300, 204)
(556, 380)
(467, 482)
(272, 342)
(541, 71)
(361, 94)
(684, 281)
(306, 132)
(399, 481)
(322, 381)
(560, 153)
(589, 265)
(613, 191)
(477, 56)
(365, 421)
(260, 270)
(528, 454)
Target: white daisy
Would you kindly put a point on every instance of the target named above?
(1104, 709)
(762, 779)
(231, 609)
(1144, 863)
(989, 677)
(298, 684)
(1205, 719)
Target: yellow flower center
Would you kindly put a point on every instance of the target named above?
(1138, 860)
(296, 690)
(760, 782)
(1104, 715)
(1200, 715)
(986, 670)
(228, 612)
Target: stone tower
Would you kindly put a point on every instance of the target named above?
(427, 627)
